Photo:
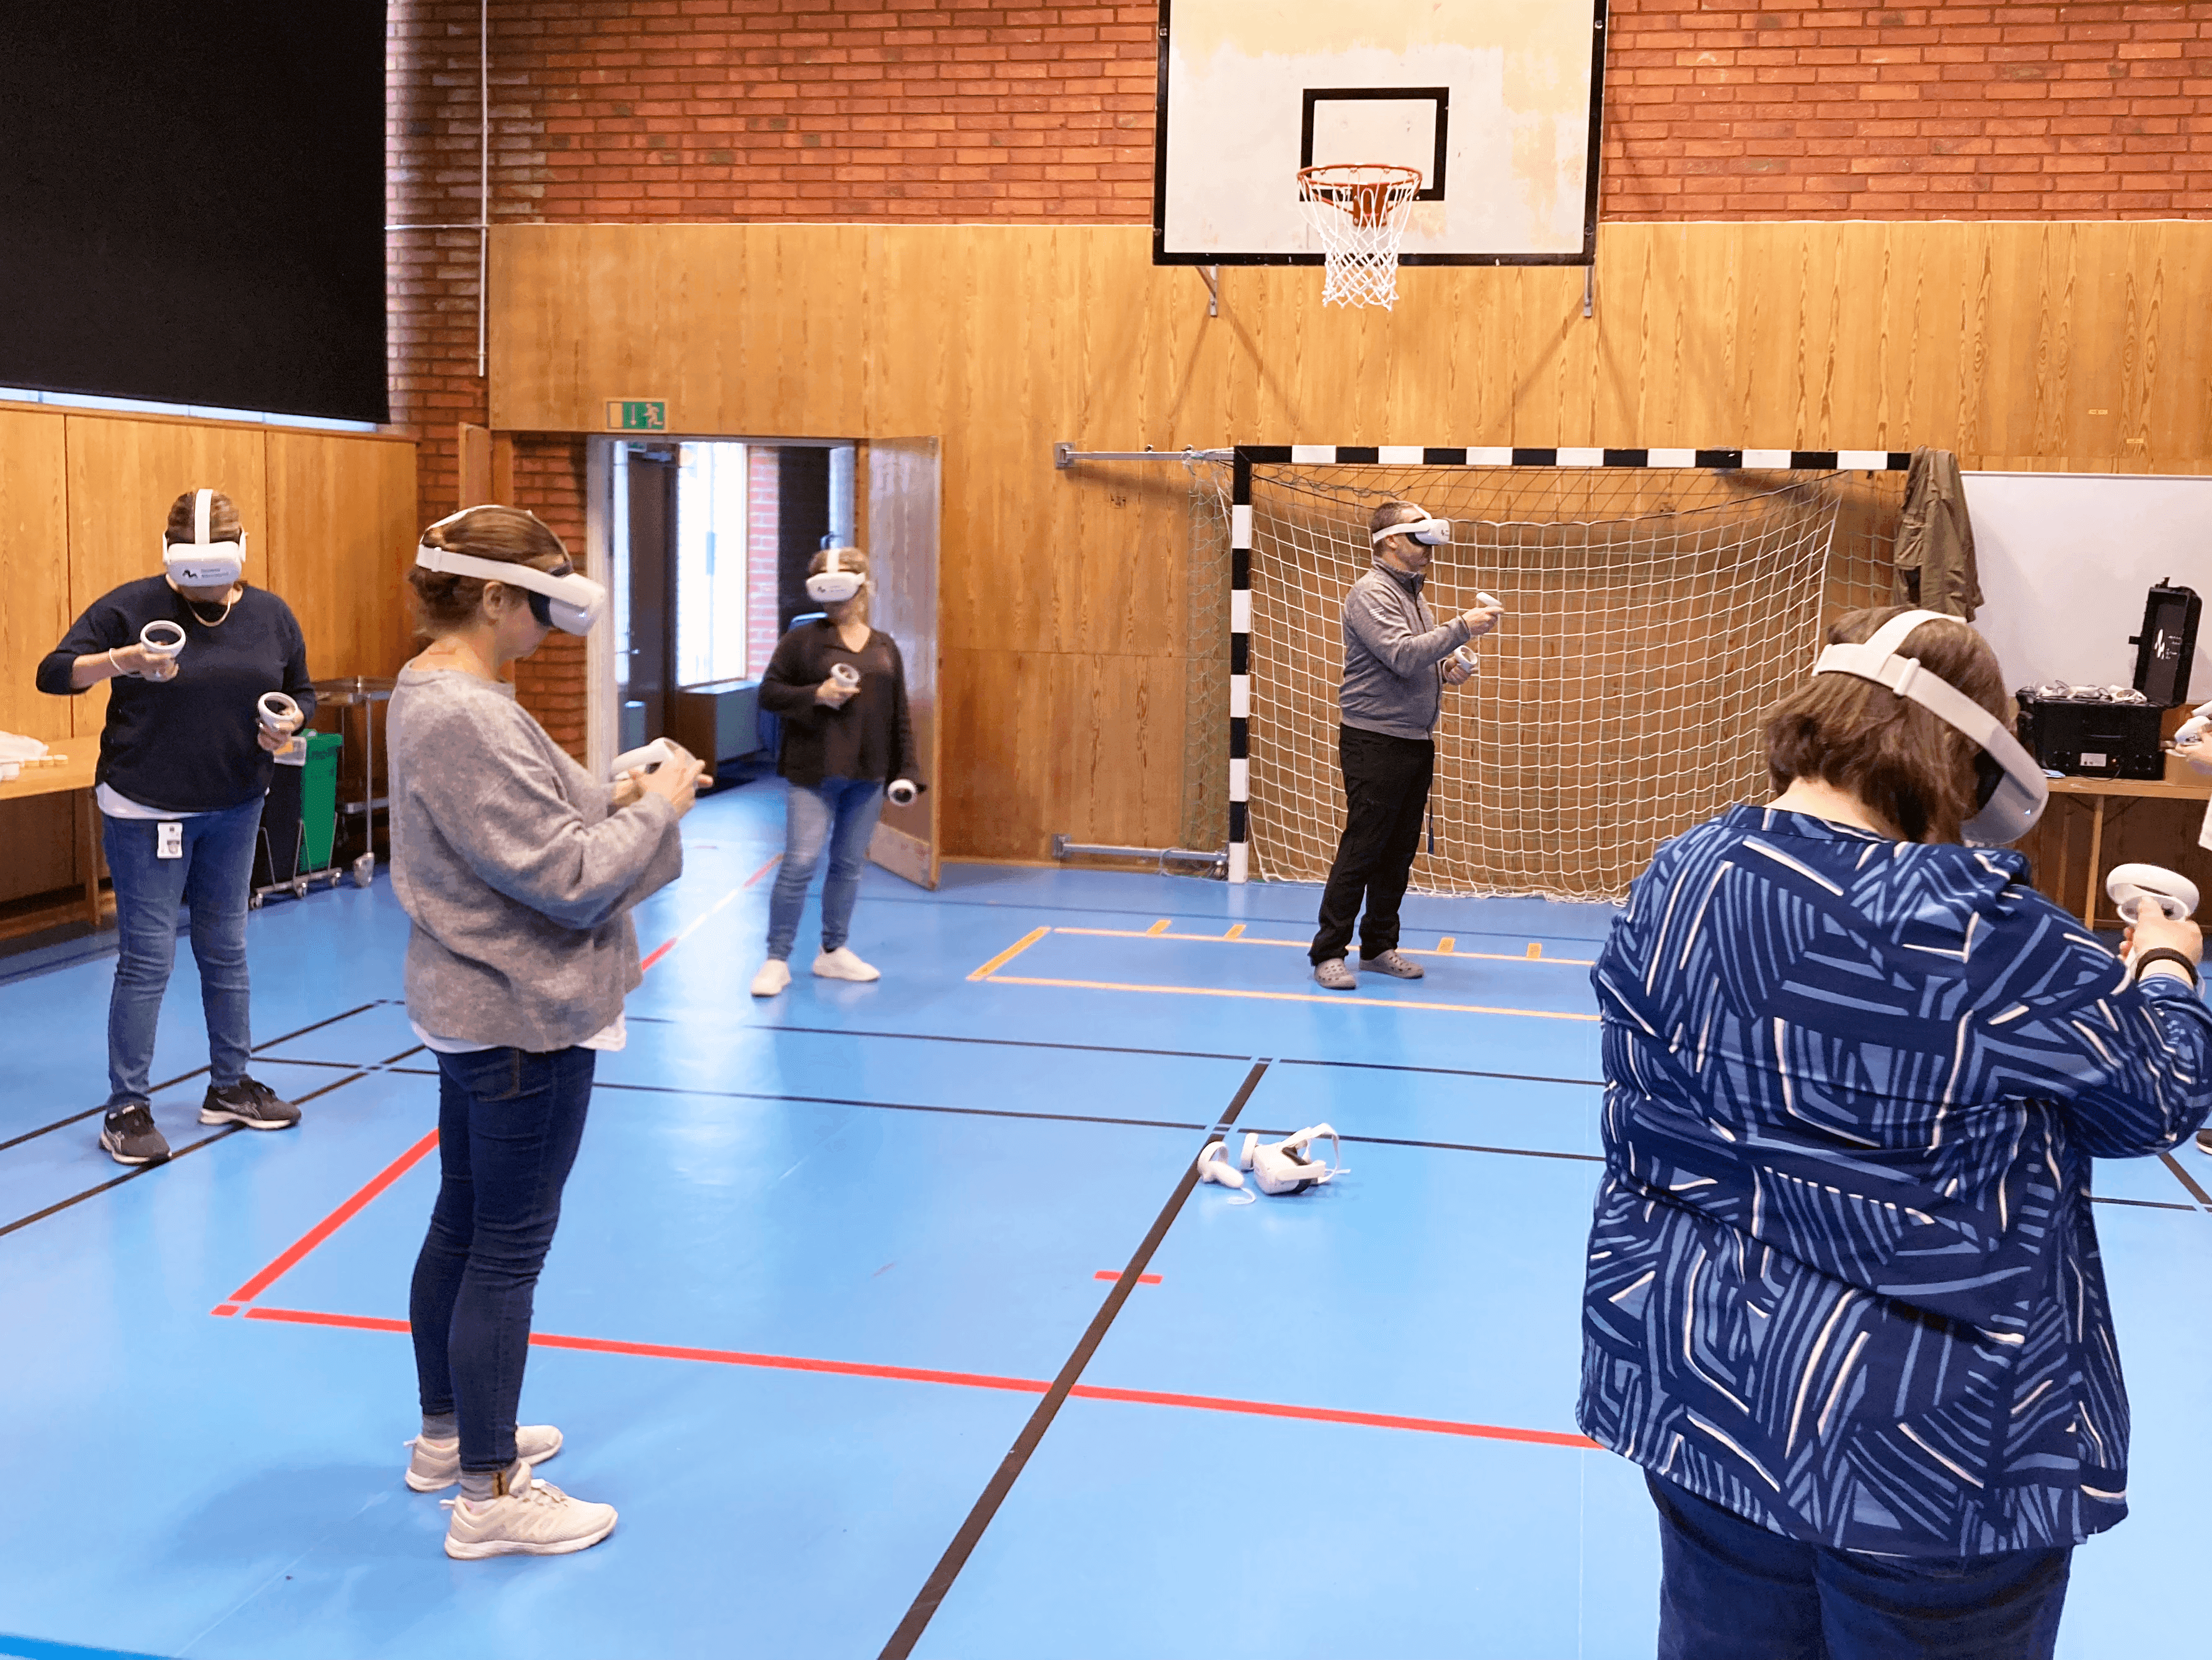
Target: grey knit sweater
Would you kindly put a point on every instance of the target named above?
(1392, 646)
(516, 870)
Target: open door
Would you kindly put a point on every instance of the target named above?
(903, 506)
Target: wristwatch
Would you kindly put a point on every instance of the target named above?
(2166, 954)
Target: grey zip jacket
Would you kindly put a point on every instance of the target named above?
(515, 869)
(1392, 648)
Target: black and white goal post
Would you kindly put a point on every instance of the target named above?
(1665, 596)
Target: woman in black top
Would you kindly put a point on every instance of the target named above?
(184, 761)
(847, 737)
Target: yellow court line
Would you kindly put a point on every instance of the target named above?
(1535, 948)
(1160, 927)
(1236, 931)
(1337, 998)
(1444, 946)
(1010, 953)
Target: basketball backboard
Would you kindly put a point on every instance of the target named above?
(1496, 101)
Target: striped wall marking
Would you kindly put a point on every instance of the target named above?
(1722, 458)
(1010, 953)
(1338, 999)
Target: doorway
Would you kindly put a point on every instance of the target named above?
(708, 543)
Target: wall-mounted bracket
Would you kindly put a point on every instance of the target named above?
(1064, 456)
(1210, 276)
(1589, 289)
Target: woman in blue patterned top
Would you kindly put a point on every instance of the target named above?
(1844, 1301)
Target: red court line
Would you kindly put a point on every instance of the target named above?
(674, 939)
(977, 1380)
(337, 1220)
(1115, 1274)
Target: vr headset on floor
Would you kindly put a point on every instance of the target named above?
(561, 599)
(2013, 792)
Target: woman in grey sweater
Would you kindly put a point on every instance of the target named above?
(518, 871)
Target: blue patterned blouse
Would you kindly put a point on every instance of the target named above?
(1843, 1276)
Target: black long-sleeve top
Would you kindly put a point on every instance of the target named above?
(188, 745)
(870, 736)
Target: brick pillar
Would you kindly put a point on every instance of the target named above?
(762, 476)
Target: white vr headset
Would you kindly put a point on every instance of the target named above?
(832, 586)
(559, 599)
(1430, 532)
(2014, 792)
(201, 563)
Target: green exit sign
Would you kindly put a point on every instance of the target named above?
(637, 414)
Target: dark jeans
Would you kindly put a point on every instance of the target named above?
(509, 1125)
(1734, 1591)
(212, 878)
(1386, 796)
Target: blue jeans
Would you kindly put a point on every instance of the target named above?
(213, 878)
(509, 1123)
(1734, 1591)
(842, 811)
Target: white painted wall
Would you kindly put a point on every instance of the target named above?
(2066, 560)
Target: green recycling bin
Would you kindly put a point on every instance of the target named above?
(299, 821)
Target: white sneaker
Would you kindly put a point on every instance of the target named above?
(775, 974)
(438, 1463)
(532, 1518)
(842, 964)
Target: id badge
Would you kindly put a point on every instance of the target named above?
(169, 840)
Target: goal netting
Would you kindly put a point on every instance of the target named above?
(1653, 616)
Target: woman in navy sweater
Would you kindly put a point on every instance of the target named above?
(1844, 1301)
(185, 761)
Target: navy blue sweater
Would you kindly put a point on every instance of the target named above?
(188, 745)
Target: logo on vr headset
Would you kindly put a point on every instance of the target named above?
(202, 563)
(833, 585)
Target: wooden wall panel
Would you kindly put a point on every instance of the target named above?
(2086, 346)
(34, 600)
(341, 539)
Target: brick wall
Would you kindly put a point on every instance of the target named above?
(763, 493)
(1947, 112)
(551, 682)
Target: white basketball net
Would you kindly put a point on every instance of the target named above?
(1652, 618)
(1360, 213)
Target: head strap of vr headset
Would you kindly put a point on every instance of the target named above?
(1426, 523)
(203, 517)
(2020, 795)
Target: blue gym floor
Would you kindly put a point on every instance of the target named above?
(822, 1259)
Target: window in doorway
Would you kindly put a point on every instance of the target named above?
(711, 575)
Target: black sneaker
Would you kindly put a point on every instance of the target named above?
(129, 1137)
(254, 1105)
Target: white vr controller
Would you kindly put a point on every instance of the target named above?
(845, 674)
(2193, 730)
(659, 752)
(1466, 653)
(2129, 885)
(280, 716)
(163, 639)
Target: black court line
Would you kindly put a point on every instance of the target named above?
(2186, 1180)
(2141, 1204)
(934, 1591)
(1173, 1055)
(901, 1106)
(179, 1153)
(187, 1077)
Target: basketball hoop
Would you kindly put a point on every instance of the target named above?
(1360, 210)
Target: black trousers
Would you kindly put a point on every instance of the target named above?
(1386, 796)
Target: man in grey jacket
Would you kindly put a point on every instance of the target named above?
(1397, 662)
